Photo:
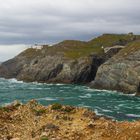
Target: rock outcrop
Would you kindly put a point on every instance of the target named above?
(66, 62)
(71, 62)
(52, 68)
(121, 72)
(33, 121)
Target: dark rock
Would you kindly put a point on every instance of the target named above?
(51, 127)
(138, 89)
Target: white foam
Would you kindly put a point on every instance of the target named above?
(13, 80)
(86, 96)
(59, 84)
(35, 88)
(137, 107)
(97, 113)
(132, 115)
(6, 104)
(37, 83)
(47, 99)
(52, 84)
(86, 106)
(106, 110)
(121, 105)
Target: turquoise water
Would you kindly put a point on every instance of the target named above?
(109, 103)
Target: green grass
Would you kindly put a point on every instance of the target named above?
(130, 48)
(83, 52)
(68, 109)
(56, 106)
(39, 112)
(44, 138)
(31, 53)
(108, 40)
(73, 49)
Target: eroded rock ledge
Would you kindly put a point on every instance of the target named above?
(33, 121)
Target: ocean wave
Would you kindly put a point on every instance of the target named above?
(38, 88)
(13, 80)
(108, 91)
(37, 83)
(133, 115)
(106, 110)
(47, 99)
(52, 84)
(86, 106)
(86, 96)
(114, 92)
(97, 112)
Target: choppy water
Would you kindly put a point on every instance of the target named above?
(109, 103)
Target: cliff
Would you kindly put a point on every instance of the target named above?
(33, 121)
(122, 71)
(69, 61)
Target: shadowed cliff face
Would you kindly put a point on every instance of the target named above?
(52, 69)
(88, 73)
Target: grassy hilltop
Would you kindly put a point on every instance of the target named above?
(74, 49)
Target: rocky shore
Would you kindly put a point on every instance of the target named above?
(110, 61)
(33, 121)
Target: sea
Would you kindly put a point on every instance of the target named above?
(112, 104)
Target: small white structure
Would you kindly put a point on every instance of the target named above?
(38, 47)
(113, 47)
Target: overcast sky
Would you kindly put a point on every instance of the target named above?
(49, 21)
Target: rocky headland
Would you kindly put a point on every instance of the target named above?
(121, 72)
(110, 61)
(33, 121)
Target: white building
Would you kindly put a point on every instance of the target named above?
(37, 47)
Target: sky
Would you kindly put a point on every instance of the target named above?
(26, 22)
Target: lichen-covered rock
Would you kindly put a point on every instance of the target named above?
(75, 124)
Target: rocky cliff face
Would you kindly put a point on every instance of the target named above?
(68, 61)
(52, 68)
(72, 62)
(121, 72)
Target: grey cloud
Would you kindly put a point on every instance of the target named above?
(8, 51)
(32, 21)
(50, 21)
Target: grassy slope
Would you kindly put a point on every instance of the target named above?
(30, 53)
(108, 40)
(75, 49)
(130, 48)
